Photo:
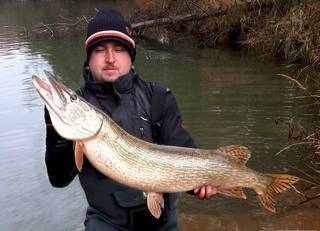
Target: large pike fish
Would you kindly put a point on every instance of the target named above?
(152, 168)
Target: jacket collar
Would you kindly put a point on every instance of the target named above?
(122, 85)
(125, 82)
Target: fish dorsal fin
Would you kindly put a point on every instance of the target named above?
(240, 153)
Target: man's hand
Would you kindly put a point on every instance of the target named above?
(205, 192)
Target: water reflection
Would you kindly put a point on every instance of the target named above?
(25, 191)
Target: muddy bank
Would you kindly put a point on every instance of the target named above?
(298, 219)
(291, 215)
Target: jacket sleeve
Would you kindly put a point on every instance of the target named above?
(172, 132)
(59, 156)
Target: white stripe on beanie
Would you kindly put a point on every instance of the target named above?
(108, 33)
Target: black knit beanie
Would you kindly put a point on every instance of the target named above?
(109, 25)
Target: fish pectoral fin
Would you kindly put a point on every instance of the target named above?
(155, 203)
(279, 183)
(233, 192)
(78, 155)
(240, 153)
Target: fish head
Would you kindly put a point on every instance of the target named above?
(72, 116)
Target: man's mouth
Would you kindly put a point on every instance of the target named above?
(109, 68)
(110, 71)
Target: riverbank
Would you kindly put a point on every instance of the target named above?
(291, 214)
(286, 29)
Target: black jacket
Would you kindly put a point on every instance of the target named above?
(128, 102)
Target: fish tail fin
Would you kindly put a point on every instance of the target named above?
(279, 183)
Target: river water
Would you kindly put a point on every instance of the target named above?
(226, 96)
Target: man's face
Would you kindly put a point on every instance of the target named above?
(108, 61)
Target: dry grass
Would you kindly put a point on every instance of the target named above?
(288, 29)
(290, 33)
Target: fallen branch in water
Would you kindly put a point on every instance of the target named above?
(80, 23)
(308, 199)
(178, 19)
(54, 29)
(291, 145)
(301, 87)
(312, 141)
(314, 179)
(296, 82)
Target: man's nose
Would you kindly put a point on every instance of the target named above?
(109, 56)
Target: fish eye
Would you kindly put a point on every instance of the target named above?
(73, 97)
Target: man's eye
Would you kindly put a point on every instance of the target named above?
(98, 49)
(119, 48)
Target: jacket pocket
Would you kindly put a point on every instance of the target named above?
(130, 198)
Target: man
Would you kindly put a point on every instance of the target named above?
(145, 110)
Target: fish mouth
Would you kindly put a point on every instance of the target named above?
(55, 95)
(71, 116)
(52, 92)
(42, 86)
